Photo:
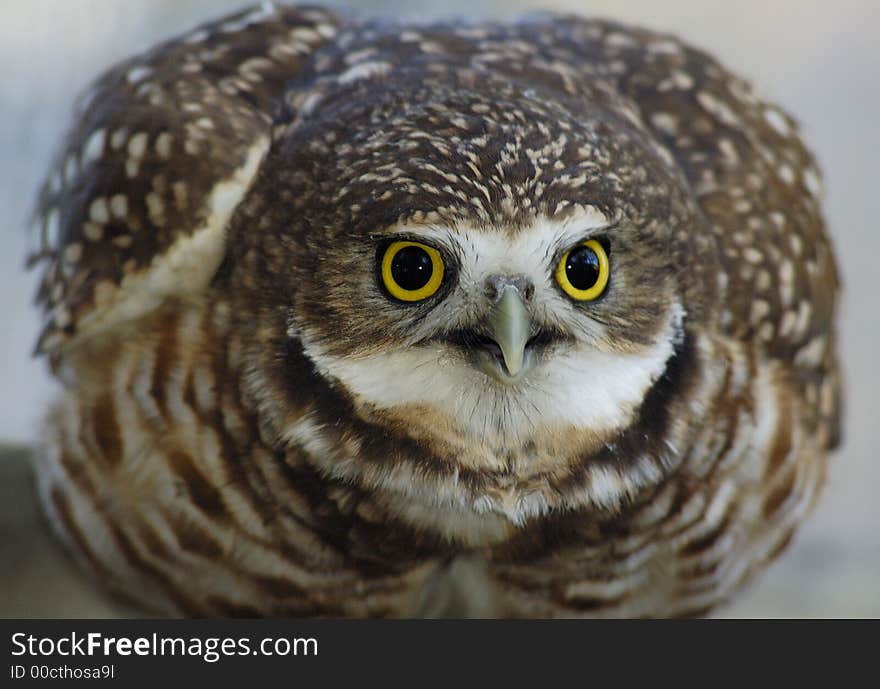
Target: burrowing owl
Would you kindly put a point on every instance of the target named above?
(356, 318)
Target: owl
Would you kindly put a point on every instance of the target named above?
(357, 318)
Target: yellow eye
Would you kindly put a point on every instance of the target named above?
(411, 271)
(583, 271)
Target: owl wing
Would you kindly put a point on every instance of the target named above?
(162, 149)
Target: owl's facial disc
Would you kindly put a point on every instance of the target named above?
(498, 333)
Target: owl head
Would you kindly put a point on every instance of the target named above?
(467, 262)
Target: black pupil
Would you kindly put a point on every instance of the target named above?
(582, 268)
(411, 268)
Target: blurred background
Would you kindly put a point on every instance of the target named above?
(820, 60)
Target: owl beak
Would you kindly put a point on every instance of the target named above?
(509, 326)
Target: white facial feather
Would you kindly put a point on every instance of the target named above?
(584, 385)
(530, 253)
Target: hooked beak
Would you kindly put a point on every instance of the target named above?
(509, 326)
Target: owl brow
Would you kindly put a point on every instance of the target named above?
(438, 236)
(564, 244)
(410, 232)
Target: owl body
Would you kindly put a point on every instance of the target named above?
(361, 319)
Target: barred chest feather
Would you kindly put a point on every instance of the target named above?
(172, 480)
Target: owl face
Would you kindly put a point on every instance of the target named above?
(497, 334)
(456, 269)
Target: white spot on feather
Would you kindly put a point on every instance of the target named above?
(163, 145)
(364, 70)
(813, 182)
(98, 211)
(719, 108)
(73, 253)
(118, 138)
(137, 144)
(53, 228)
(94, 147)
(93, 231)
(119, 206)
(777, 120)
(138, 74)
(196, 36)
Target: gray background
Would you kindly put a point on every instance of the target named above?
(818, 59)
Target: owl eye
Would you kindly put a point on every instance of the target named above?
(411, 271)
(583, 271)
